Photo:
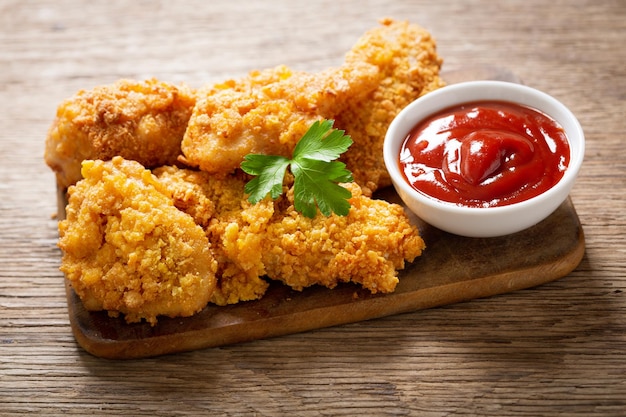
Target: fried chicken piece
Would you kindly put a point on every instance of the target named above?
(270, 238)
(141, 121)
(218, 205)
(267, 112)
(127, 248)
(366, 247)
(408, 68)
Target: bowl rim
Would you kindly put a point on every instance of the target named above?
(486, 90)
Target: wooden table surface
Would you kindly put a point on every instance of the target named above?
(557, 349)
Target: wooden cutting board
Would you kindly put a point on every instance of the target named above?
(452, 269)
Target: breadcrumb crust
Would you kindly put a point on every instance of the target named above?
(128, 249)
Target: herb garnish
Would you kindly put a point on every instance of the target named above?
(316, 173)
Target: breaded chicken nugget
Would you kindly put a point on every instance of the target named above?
(141, 121)
(366, 247)
(218, 205)
(408, 68)
(267, 112)
(127, 248)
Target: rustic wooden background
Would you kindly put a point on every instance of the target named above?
(558, 349)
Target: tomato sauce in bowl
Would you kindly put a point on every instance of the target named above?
(485, 154)
(484, 158)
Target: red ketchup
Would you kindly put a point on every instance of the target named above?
(485, 154)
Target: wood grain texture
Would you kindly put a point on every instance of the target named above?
(558, 349)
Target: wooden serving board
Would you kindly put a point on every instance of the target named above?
(451, 269)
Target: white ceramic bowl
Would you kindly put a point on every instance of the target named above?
(491, 221)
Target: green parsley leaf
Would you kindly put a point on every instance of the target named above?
(270, 170)
(311, 187)
(311, 146)
(316, 173)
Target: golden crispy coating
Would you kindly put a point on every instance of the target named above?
(267, 112)
(271, 238)
(408, 68)
(217, 204)
(365, 247)
(127, 249)
(141, 121)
